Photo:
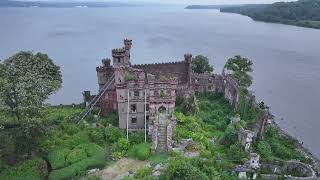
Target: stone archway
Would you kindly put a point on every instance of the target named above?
(162, 109)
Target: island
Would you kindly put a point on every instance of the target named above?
(164, 120)
(305, 13)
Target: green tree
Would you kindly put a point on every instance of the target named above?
(26, 81)
(240, 68)
(200, 64)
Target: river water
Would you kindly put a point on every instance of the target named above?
(286, 58)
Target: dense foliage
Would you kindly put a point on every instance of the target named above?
(77, 161)
(275, 146)
(304, 13)
(140, 151)
(35, 169)
(26, 81)
(240, 67)
(200, 64)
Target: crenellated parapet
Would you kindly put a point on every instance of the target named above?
(188, 58)
(106, 62)
(118, 53)
(127, 44)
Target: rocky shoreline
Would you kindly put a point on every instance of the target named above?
(316, 161)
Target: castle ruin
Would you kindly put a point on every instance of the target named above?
(144, 95)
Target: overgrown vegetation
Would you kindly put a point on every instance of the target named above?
(275, 146)
(48, 144)
(130, 77)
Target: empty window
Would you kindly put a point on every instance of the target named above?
(134, 120)
(136, 93)
(147, 118)
(119, 60)
(147, 107)
(133, 108)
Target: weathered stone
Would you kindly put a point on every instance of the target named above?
(155, 86)
(254, 161)
(245, 139)
(92, 171)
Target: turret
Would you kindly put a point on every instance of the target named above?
(119, 57)
(188, 58)
(106, 62)
(127, 46)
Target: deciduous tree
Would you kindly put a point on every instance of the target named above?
(240, 69)
(200, 64)
(26, 81)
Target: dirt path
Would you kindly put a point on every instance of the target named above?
(120, 168)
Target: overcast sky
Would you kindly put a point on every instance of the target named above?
(178, 1)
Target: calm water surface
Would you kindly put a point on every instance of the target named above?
(286, 58)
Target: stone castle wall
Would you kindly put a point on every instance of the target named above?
(179, 69)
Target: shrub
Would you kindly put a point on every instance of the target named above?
(112, 119)
(236, 153)
(136, 138)
(140, 151)
(181, 118)
(122, 145)
(76, 139)
(183, 169)
(264, 149)
(96, 159)
(92, 178)
(97, 135)
(113, 134)
(230, 137)
(57, 158)
(35, 169)
(76, 155)
(143, 172)
(91, 149)
(120, 148)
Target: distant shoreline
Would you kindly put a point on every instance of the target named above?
(212, 6)
(302, 13)
(37, 4)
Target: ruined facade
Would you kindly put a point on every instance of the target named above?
(144, 95)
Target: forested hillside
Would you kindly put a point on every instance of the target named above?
(304, 13)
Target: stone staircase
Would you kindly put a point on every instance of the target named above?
(162, 138)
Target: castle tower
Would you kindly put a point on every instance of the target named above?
(127, 46)
(188, 60)
(119, 58)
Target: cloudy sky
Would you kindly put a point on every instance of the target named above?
(179, 1)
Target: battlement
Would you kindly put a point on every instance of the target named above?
(100, 69)
(119, 52)
(106, 62)
(157, 64)
(127, 44)
(188, 58)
